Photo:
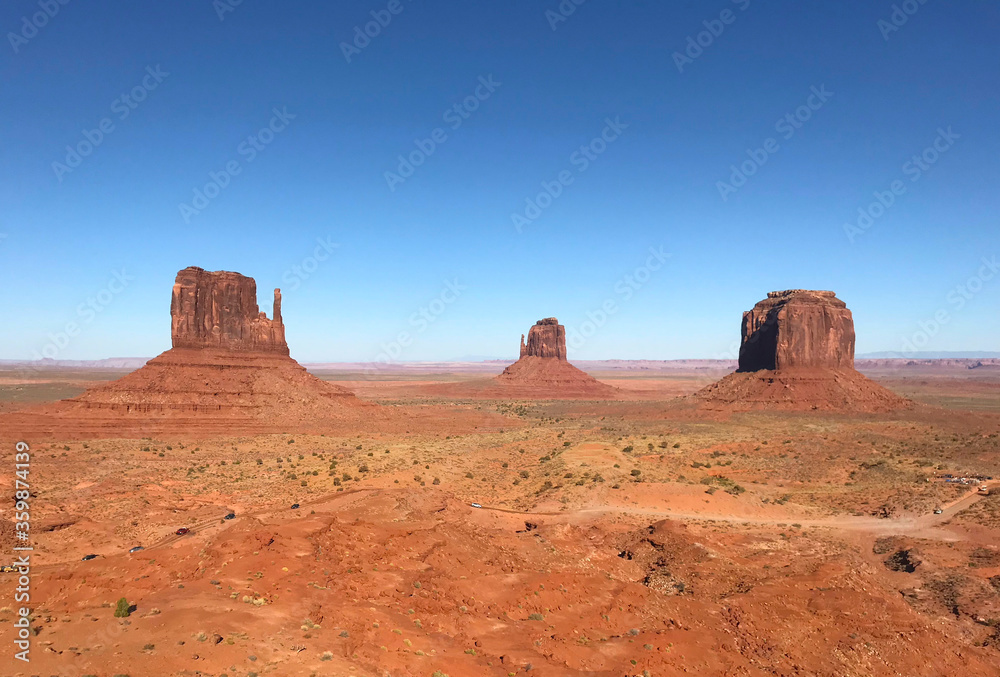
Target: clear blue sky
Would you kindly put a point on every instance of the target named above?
(656, 184)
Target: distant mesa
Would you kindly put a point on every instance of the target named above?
(229, 369)
(797, 353)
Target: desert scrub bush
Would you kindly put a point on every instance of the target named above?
(536, 617)
(728, 485)
(123, 609)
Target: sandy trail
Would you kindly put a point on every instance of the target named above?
(924, 525)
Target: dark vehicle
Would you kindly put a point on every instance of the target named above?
(182, 531)
(295, 506)
(230, 516)
(137, 548)
(87, 558)
(476, 505)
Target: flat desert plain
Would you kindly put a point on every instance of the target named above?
(638, 535)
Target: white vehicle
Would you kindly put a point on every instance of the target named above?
(476, 505)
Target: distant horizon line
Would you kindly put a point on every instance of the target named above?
(879, 355)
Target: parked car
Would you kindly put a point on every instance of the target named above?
(476, 505)
(938, 511)
(87, 558)
(137, 548)
(295, 506)
(182, 531)
(230, 516)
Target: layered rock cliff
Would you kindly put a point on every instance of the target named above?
(547, 338)
(219, 310)
(797, 353)
(798, 328)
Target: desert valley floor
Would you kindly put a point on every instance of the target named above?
(633, 535)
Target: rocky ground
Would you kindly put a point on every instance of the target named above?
(627, 536)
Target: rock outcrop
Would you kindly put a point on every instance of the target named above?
(219, 310)
(543, 370)
(798, 328)
(797, 353)
(228, 370)
(547, 338)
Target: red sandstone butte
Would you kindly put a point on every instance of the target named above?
(229, 369)
(797, 353)
(219, 310)
(543, 370)
(547, 338)
(798, 328)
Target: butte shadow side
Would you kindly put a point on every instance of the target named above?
(797, 353)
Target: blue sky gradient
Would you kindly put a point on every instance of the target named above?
(655, 186)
